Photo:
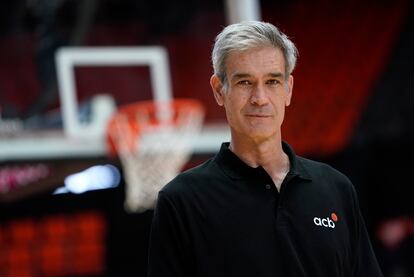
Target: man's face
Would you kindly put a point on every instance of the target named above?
(257, 93)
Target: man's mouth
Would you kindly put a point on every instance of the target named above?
(258, 115)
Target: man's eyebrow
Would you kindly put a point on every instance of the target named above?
(247, 75)
(240, 75)
(277, 75)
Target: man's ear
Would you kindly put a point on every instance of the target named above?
(289, 89)
(217, 88)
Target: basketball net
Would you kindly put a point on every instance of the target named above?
(153, 141)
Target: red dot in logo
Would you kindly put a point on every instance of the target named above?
(334, 217)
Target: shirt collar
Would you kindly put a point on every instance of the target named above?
(237, 169)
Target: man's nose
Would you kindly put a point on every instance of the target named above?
(258, 96)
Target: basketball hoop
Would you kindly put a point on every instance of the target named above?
(153, 141)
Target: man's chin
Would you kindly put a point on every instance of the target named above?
(261, 135)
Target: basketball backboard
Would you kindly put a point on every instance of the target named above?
(80, 139)
(67, 59)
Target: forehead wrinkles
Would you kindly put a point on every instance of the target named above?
(268, 60)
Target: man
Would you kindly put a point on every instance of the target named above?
(257, 209)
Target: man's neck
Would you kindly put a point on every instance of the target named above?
(267, 154)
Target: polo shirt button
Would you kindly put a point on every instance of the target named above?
(268, 186)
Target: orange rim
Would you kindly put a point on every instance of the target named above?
(148, 109)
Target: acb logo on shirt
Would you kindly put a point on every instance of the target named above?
(328, 222)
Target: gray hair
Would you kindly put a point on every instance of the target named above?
(247, 35)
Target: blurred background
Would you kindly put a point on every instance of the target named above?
(62, 195)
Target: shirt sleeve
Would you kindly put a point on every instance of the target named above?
(366, 262)
(169, 242)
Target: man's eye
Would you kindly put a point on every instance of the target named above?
(273, 82)
(244, 82)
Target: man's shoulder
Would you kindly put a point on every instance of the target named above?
(318, 170)
(191, 179)
(327, 179)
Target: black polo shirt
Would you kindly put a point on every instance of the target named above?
(224, 218)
